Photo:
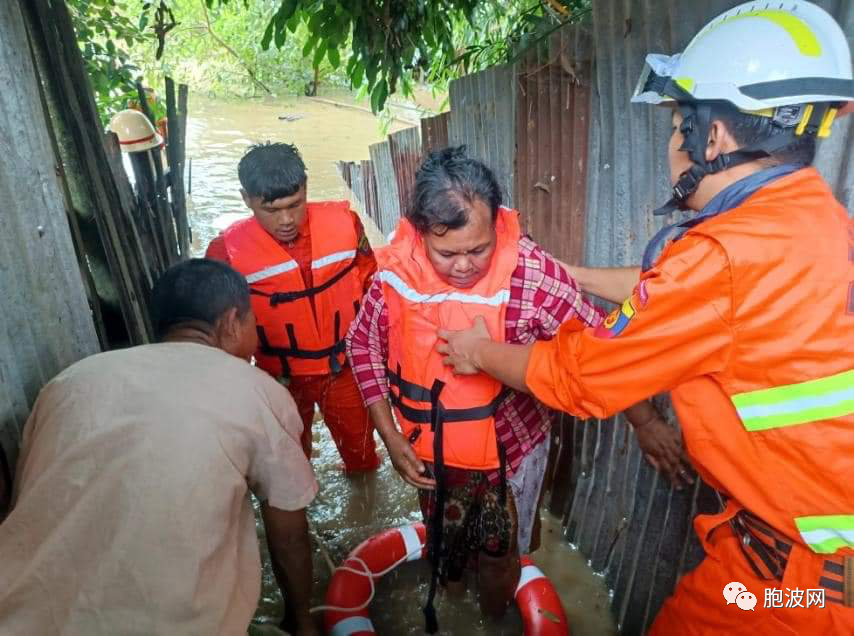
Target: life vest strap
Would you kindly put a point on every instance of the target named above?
(423, 416)
(278, 298)
(407, 389)
(419, 393)
(296, 352)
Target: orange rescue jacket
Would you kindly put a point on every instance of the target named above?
(426, 395)
(293, 338)
(749, 319)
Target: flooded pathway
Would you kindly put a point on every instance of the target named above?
(349, 510)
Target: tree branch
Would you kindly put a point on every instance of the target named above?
(224, 45)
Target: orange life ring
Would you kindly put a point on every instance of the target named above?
(350, 587)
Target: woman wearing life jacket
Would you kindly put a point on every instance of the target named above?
(475, 450)
(746, 316)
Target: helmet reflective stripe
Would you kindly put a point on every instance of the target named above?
(800, 32)
(756, 58)
(135, 132)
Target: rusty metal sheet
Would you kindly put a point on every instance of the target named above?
(434, 133)
(358, 176)
(405, 148)
(482, 117)
(552, 130)
(388, 199)
(629, 522)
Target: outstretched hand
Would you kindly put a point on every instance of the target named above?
(460, 348)
(662, 447)
(406, 462)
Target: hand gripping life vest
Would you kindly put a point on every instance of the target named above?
(293, 339)
(775, 429)
(425, 393)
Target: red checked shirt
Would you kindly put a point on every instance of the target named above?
(542, 297)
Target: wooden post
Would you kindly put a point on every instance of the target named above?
(175, 154)
(45, 320)
(67, 83)
(161, 198)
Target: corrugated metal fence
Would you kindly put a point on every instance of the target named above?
(45, 322)
(586, 168)
(633, 527)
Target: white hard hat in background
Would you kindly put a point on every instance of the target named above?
(135, 132)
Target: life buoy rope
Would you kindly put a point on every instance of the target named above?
(352, 587)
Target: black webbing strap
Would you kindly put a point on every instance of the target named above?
(334, 365)
(424, 416)
(295, 352)
(409, 390)
(502, 472)
(278, 298)
(419, 393)
(265, 347)
(773, 565)
(437, 521)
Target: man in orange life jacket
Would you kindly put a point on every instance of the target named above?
(476, 451)
(307, 264)
(746, 316)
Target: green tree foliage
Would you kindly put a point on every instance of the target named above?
(107, 32)
(376, 46)
(218, 50)
(394, 41)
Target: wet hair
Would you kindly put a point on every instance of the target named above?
(271, 171)
(447, 184)
(199, 290)
(749, 130)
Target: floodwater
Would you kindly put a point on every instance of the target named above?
(348, 510)
(219, 132)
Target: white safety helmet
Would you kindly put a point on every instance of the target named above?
(135, 132)
(786, 60)
(755, 56)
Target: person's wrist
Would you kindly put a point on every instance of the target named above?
(388, 435)
(477, 354)
(647, 421)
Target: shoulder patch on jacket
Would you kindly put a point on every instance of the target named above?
(617, 321)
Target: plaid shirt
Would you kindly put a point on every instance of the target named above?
(542, 297)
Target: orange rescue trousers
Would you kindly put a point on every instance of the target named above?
(698, 607)
(344, 413)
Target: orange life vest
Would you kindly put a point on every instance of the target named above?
(776, 429)
(428, 398)
(293, 338)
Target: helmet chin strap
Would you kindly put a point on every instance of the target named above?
(695, 126)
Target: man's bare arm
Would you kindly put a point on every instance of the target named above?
(611, 283)
(290, 551)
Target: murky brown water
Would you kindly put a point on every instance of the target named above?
(349, 510)
(219, 132)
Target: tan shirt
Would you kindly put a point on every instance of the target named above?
(132, 513)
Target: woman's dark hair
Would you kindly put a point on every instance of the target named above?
(447, 184)
(271, 171)
(749, 130)
(198, 290)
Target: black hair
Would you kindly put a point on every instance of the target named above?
(271, 171)
(749, 130)
(447, 184)
(199, 290)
